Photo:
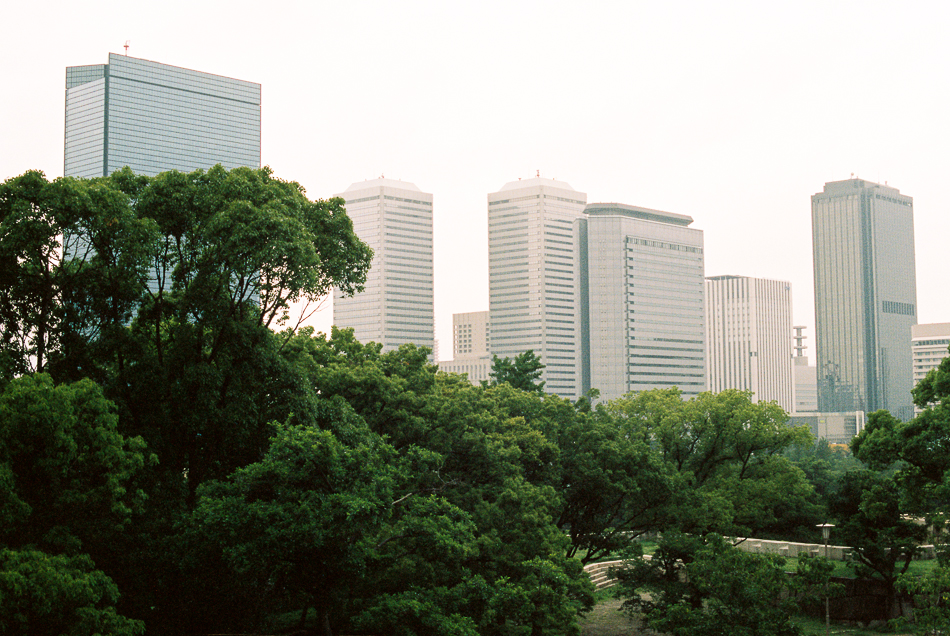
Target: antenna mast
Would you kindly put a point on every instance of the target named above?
(127, 47)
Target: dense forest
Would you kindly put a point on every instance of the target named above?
(178, 455)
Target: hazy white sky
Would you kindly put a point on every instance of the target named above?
(734, 113)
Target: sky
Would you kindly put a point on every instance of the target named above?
(734, 113)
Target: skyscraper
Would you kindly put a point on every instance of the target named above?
(749, 337)
(865, 296)
(533, 270)
(643, 300)
(395, 219)
(154, 117)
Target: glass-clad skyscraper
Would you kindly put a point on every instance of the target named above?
(533, 277)
(396, 307)
(865, 296)
(154, 117)
(643, 295)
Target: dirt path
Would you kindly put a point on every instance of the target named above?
(606, 619)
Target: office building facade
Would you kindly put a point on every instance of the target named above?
(865, 297)
(396, 307)
(929, 345)
(533, 277)
(470, 335)
(154, 117)
(748, 336)
(643, 288)
(837, 428)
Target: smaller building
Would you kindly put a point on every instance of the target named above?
(929, 345)
(837, 428)
(470, 336)
(748, 331)
(806, 376)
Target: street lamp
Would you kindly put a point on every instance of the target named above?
(825, 533)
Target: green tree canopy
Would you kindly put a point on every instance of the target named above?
(704, 586)
(65, 471)
(44, 594)
(523, 372)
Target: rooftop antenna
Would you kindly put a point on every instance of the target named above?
(537, 173)
(127, 42)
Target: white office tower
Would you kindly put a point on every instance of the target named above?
(533, 277)
(395, 219)
(470, 347)
(643, 290)
(928, 347)
(748, 335)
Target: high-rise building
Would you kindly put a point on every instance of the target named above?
(533, 277)
(396, 307)
(643, 300)
(470, 346)
(929, 345)
(748, 337)
(154, 117)
(865, 296)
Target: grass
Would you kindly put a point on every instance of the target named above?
(917, 568)
(816, 627)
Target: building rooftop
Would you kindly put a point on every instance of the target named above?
(634, 212)
(382, 182)
(535, 181)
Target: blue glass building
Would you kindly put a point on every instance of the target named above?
(154, 117)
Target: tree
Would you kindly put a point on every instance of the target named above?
(65, 471)
(490, 452)
(66, 487)
(522, 373)
(723, 453)
(73, 262)
(614, 487)
(324, 511)
(871, 520)
(931, 595)
(704, 586)
(44, 594)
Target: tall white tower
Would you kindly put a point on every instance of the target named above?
(533, 277)
(748, 334)
(395, 219)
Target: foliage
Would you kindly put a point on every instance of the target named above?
(64, 468)
(522, 372)
(724, 453)
(323, 511)
(931, 595)
(43, 594)
(614, 487)
(488, 451)
(824, 465)
(871, 521)
(705, 586)
(55, 288)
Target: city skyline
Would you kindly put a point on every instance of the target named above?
(733, 114)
